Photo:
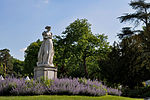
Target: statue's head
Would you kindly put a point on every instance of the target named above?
(48, 28)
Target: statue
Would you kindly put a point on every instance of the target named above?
(46, 52)
(45, 67)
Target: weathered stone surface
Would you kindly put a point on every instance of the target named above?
(46, 52)
(45, 72)
(45, 67)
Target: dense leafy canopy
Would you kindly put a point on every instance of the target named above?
(5, 62)
(10, 66)
(78, 50)
(129, 60)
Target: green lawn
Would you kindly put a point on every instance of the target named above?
(46, 97)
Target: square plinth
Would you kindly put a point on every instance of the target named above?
(45, 72)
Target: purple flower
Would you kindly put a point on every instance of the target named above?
(75, 86)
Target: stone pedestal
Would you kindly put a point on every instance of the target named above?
(45, 72)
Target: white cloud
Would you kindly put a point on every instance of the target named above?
(22, 50)
(40, 3)
(46, 1)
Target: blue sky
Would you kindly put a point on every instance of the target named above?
(23, 21)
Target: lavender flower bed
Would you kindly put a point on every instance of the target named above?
(112, 91)
(13, 86)
(75, 87)
(65, 86)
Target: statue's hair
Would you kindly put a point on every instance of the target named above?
(47, 27)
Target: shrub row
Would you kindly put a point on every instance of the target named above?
(65, 86)
(140, 92)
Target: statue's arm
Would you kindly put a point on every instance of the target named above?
(43, 33)
(51, 36)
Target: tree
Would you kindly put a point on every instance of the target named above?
(10, 65)
(131, 61)
(31, 55)
(18, 67)
(141, 14)
(5, 62)
(79, 49)
(134, 48)
(126, 64)
(110, 67)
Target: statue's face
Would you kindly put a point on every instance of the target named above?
(48, 29)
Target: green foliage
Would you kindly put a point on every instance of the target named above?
(129, 61)
(30, 83)
(127, 64)
(141, 13)
(141, 92)
(78, 50)
(110, 71)
(9, 65)
(18, 67)
(31, 54)
(82, 80)
(46, 82)
(135, 49)
(5, 62)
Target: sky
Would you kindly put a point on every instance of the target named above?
(23, 21)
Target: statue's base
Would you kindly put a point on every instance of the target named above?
(45, 72)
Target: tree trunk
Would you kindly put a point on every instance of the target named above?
(85, 67)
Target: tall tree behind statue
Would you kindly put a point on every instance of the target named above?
(31, 55)
(77, 51)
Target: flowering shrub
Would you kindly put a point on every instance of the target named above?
(74, 87)
(31, 87)
(112, 91)
(7, 85)
(13, 86)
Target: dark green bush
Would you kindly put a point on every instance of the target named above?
(140, 92)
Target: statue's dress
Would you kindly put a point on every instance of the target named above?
(46, 52)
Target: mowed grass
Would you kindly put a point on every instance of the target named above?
(58, 97)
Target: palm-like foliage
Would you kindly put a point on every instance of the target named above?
(135, 45)
(141, 14)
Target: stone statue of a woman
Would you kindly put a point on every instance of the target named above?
(46, 52)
